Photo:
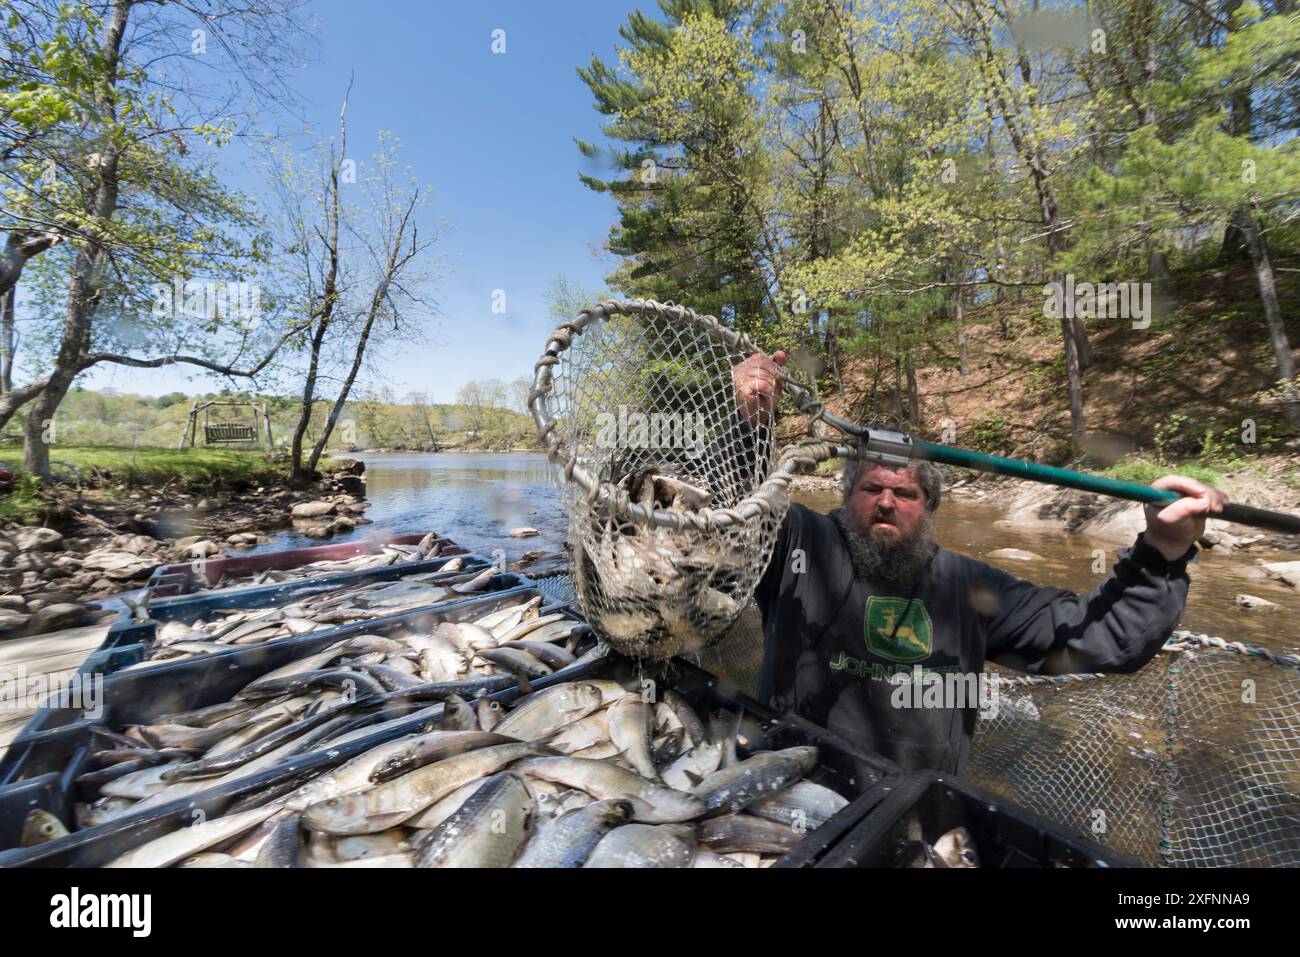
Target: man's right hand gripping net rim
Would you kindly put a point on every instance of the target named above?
(635, 402)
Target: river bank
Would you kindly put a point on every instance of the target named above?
(103, 530)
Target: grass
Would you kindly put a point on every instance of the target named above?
(155, 466)
(21, 505)
(1144, 471)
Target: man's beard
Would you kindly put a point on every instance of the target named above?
(898, 562)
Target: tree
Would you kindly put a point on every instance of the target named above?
(358, 272)
(100, 168)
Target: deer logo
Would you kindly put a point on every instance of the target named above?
(898, 630)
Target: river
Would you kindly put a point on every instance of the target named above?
(477, 498)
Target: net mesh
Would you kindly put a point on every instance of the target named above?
(646, 404)
(1193, 761)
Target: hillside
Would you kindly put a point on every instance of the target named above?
(1181, 389)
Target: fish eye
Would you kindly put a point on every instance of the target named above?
(968, 855)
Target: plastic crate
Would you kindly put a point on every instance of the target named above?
(41, 766)
(1004, 835)
(177, 578)
(127, 640)
(138, 695)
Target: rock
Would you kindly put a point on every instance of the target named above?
(38, 540)
(13, 603)
(313, 509)
(342, 524)
(1288, 572)
(350, 466)
(242, 539)
(524, 532)
(12, 622)
(50, 596)
(117, 565)
(352, 484)
(136, 544)
(205, 505)
(1015, 555)
(1251, 601)
(54, 617)
(36, 604)
(320, 531)
(204, 548)
(30, 562)
(1256, 574)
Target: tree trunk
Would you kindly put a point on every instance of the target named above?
(19, 248)
(319, 448)
(963, 366)
(898, 389)
(913, 394)
(14, 400)
(1249, 227)
(308, 398)
(7, 343)
(1074, 383)
(88, 269)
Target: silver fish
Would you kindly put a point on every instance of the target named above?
(644, 845)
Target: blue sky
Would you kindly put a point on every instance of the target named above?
(492, 134)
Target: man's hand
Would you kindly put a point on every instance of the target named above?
(757, 386)
(1173, 529)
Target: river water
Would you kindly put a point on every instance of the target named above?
(477, 498)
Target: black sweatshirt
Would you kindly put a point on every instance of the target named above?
(838, 648)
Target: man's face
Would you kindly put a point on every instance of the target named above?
(887, 504)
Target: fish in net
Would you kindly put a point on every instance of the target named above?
(674, 498)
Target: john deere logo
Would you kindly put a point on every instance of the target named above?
(898, 630)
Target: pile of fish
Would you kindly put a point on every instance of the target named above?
(325, 698)
(952, 849)
(253, 626)
(390, 554)
(654, 591)
(581, 774)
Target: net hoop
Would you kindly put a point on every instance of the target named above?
(770, 493)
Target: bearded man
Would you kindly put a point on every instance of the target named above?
(859, 604)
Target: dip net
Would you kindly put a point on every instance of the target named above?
(1194, 761)
(674, 498)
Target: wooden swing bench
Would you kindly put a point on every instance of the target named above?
(224, 432)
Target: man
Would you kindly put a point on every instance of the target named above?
(861, 601)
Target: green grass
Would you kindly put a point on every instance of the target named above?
(154, 466)
(21, 505)
(1144, 471)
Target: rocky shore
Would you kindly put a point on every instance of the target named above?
(51, 576)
